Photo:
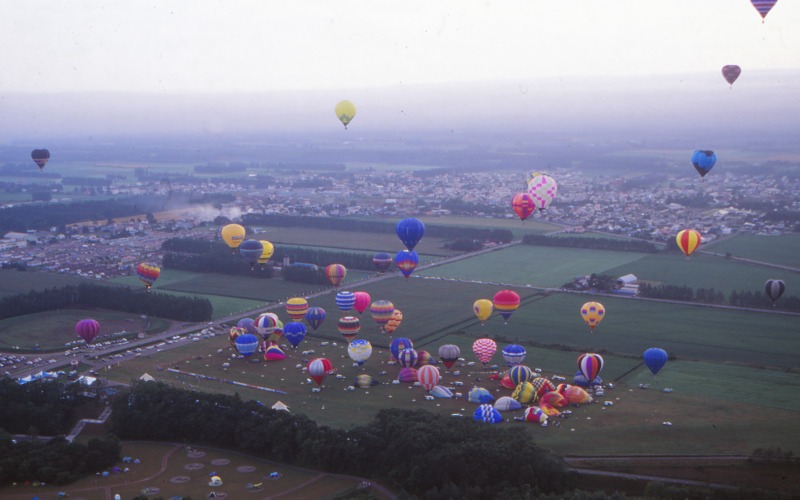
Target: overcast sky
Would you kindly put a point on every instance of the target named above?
(436, 63)
(262, 45)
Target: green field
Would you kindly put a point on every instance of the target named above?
(13, 282)
(344, 240)
(783, 250)
(535, 265)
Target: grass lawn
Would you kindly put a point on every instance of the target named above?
(783, 250)
(13, 282)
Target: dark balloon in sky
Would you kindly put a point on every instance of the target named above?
(40, 157)
(731, 72)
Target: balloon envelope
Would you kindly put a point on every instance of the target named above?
(655, 359)
(542, 189)
(488, 414)
(483, 309)
(688, 240)
(763, 6)
(247, 324)
(407, 357)
(246, 344)
(774, 289)
(507, 403)
(40, 157)
(319, 368)
(394, 321)
(449, 354)
(593, 313)
(410, 231)
(514, 354)
(484, 349)
(345, 300)
(359, 350)
(274, 353)
(266, 253)
(703, 161)
(87, 329)
(731, 72)
(519, 374)
(315, 316)
(148, 273)
(349, 326)
(251, 251)
(398, 345)
(479, 395)
(406, 262)
(382, 261)
(294, 332)
(381, 311)
(590, 365)
(441, 391)
(296, 308)
(408, 375)
(428, 376)
(233, 235)
(345, 111)
(362, 301)
(523, 205)
(506, 302)
(335, 274)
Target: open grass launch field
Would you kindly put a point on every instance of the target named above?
(783, 250)
(539, 266)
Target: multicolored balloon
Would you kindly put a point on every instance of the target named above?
(394, 322)
(315, 316)
(233, 235)
(234, 333)
(507, 403)
(362, 301)
(535, 415)
(542, 189)
(763, 7)
(407, 358)
(703, 161)
(381, 311)
(398, 345)
(655, 359)
(519, 374)
(359, 351)
(449, 354)
(349, 326)
(525, 393)
(345, 300)
(688, 241)
(407, 375)
(406, 262)
(382, 261)
(731, 72)
(148, 273)
(87, 329)
(506, 302)
(484, 349)
(590, 365)
(319, 368)
(266, 323)
(483, 309)
(523, 205)
(296, 308)
(514, 354)
(273, 353)
(335, 274)
(774, 289)
(593, 313)
(410, 231)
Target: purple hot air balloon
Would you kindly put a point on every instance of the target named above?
(87, 329)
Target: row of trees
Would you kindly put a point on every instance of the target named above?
(374, 226)
(115, 298)
(417, 452)
(739, 298)
(38, 408)
(623, 245)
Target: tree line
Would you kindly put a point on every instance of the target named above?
(740, 298)
(416, 452)
(115, 298)
(374, 226)
(623, 245)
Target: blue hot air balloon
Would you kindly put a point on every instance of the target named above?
(655, 359)
(398, 345)
(294, 332)
(410, 231)
(315, 316)
(251, 251)
(382, 261)
(246, 344)
(703, 161)
(345, 300)
(488, 414)
(406, 262)
(514, 354)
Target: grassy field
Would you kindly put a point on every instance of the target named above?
(783, 250)
(539, 266)
(13, 282)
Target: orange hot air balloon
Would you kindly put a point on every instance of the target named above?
(688, 241)
(523, 205)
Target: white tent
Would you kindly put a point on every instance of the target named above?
(147, 378)
(280, 406)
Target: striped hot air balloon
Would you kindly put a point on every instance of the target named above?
(335, 274)
(315, 316)
(349, 326)
(484, 349)
(148, 273)
(590, 365)
(506, 302)
(345, 300)
(763, 7)
(296, 308)
(449, 354)
(381, 311)
(688, 241)
(394, 321)
(319, 368)
(428, 376)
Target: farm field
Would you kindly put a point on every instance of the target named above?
(703, 271)
(13, 282)
(783, 250)
(535, 265)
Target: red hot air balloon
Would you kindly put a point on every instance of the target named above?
(523, 205)
(731, 72)
(87, 329)
(484, 349)
(506, 302)
(362, 301)
(428, 376)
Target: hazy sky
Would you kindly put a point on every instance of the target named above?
(261, 45)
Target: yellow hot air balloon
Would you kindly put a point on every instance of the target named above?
(593, 313)
(345, 111)
(483, 309)
(233, 234)
(269, 249)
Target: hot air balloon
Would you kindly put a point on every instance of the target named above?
(535, 415)
(542, 188)
(345, 300)
(542, 385)
(449, 354)
(593, 313)
(406, 262)
(483, 309)
(294, 332)
(234, 333)
(345, 111)
(514, 354)
(315, 316)
(407, 358)
(233, 235)
(273, 353)
(428, 376)
(296, 307)
(319, 368)
(575, 394)
(484, 349)
(523, 205)
(487, 414)
(408, 375)
(424, 358)
(590, 365)
(148, 273)
(763, 7)
(335, 274)
(246, 344)
(440, 391)
(580, 380)
(410, 231)
(731, 72)
(247, 324)
(394, 322)
(87, 329)
(362, 301)
(381, 311)
(525, 393)
(365, 381)
(480, 395)
(266, 323)
(359, 351)
(774, 289)
(519, 374)
(506, 302)
(688, 241)
(266, 253)
(398, 345)
(251, 251)
(40, 157)
(703, 161)
(655, 359)
(554, 399)
(382, 261)
(349, 326)
(507, 403)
